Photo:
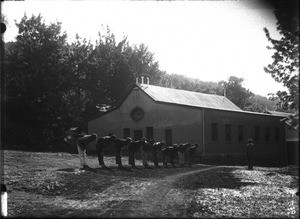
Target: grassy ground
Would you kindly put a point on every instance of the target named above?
(52, 185)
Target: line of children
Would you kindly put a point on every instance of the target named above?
(147, 147)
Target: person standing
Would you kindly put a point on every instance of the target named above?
(82, 145)
(250, 146)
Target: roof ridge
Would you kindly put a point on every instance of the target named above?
(145, 85)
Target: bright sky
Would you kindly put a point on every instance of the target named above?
(208, 40)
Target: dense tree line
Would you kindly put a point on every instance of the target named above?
(49, 83)
(285, 65)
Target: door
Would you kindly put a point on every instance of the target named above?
(149, 133)
(168, 137)
(137, 135)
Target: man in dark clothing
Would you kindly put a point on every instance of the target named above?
(169, 152)
(191, 151)
(157, 146)
(250, 153)
(119, 144)
(82, 145)
(181, 152)
(133, 148)
(104, 143)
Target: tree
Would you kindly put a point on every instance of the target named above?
(117, 66)
(79, 79)
(257, 103)
(235, 92)
(285, 66)
(33, 81)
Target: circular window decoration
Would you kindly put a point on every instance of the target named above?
(137, 114)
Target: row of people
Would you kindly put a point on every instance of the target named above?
(147, 148)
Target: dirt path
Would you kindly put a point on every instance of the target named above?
(161, 199)
(139, 198)
(47, 185)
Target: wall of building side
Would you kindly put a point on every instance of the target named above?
(185, 122)
(249, 121)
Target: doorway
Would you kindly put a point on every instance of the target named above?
(137, 134)
(168, 137)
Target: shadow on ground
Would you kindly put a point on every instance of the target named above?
(217, 178)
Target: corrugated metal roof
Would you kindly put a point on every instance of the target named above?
(188, 98)
(275, 113)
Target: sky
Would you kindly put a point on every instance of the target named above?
(208, 40)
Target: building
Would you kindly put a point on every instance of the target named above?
(178, 116)
(291, 138)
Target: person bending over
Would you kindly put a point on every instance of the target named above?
(191, 151)
(133, 148)
(82, 145)
(156, 147)
(104, 143)
(169, 153)
(145, 150)
(119, 144)
(181, 152)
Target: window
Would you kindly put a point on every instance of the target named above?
(168, 137)
(228, 132)
(241, 132)
(277, 134)
(256, 133)
(126, 132)
(149, 133)
(267, 134)
(214, 131)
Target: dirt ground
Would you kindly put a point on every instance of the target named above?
(52, 185)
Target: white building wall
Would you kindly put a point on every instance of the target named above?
(185, 122)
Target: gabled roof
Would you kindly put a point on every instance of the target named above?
(188, 98)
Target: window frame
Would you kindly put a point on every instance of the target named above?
(267, 134)
(228, 132)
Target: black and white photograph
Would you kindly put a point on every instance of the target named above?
(149, 109)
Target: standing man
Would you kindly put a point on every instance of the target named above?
(157, 146)
(104, 143)
(250, 146)
(82, 145)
